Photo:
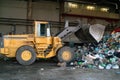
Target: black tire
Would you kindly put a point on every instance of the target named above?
(61, 53)
(20, 52)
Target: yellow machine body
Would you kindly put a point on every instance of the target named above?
(40, 43)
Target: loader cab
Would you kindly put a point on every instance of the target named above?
(42, 29)
(43, 36)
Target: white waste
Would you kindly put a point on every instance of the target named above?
(115, 66)
(71, 63)
(42, 69)
(109, 66)
(100, 67)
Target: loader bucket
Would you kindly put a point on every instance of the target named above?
(90, 33)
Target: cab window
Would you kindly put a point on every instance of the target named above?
(41, 29)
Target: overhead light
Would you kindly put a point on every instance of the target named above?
(90, 7)
(72, 5)
(104, 9)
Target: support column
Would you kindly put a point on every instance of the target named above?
(119, 13)
(61, 9)
(29, 15)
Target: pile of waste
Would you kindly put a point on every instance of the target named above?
(103, 55)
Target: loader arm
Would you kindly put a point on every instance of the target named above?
(68, 31)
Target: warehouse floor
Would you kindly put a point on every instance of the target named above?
(46, 70)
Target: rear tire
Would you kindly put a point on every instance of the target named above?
(65, 54)
(26, 55)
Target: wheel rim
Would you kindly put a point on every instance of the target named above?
(66, 55)
(26, 55)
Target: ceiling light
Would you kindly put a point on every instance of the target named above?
(72, 5)
(90, 7)
(104, 9)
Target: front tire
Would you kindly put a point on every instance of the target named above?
(65, 54)
(26, 55)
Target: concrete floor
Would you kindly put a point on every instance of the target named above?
(44, 70)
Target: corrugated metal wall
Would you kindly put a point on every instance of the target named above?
(13, 9)
(18, 9)
(46, 11)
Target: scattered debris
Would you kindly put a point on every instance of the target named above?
(62, 64)
(118, 72)
(42, 69)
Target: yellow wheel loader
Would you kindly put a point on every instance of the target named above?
(26, 48)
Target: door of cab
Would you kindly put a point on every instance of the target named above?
(43, 38)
